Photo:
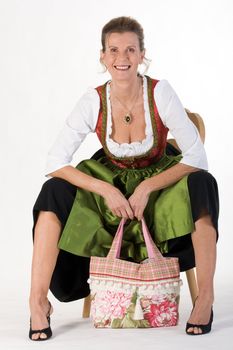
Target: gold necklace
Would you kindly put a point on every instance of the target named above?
(128, 118)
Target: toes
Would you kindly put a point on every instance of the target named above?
(43, 336)
(194, 330)
(197, 330)
(190, 330)
(36, 336)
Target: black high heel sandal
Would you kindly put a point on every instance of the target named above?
(47, 331)
(205, 328)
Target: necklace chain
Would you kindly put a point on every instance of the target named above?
(128, 118)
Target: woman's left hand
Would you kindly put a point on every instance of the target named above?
(139, 199)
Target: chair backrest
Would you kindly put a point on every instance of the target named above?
(198, 122)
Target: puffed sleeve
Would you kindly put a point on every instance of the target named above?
(180, 126)
(80, 122)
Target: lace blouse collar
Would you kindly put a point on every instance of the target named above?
(136, 147)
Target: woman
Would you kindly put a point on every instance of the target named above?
(133, 175)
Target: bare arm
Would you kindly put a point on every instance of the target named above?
(115, 200)
(139, 198)
(168, 177)
(82, 180)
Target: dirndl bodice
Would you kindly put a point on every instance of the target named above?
(91, 225)
(159, 132)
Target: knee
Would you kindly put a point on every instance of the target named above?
(46, 217)
(202, 176)
(55, 185)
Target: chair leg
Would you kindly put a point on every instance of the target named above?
(192, 283)
(87, 306)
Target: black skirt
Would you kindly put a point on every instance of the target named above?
(69, 279)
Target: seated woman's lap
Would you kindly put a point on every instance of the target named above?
(57, 195)
(69, 280)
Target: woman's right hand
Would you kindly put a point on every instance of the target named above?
(117, 203)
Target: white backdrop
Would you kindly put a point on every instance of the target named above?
(50, 56)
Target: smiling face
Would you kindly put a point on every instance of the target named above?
(122, 55)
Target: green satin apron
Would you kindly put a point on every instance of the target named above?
(91, 225)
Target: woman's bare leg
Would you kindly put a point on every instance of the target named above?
(204, 244)
(45, 252)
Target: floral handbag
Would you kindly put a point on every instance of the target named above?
(125, 294)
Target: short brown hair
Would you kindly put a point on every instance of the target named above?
(122, 25)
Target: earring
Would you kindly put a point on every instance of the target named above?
(103, 66)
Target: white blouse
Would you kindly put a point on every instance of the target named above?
(83, 119)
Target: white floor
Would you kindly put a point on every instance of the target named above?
(70, 331)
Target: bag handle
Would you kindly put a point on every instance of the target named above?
(152, 250)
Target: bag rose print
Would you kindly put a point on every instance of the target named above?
(125, 294)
